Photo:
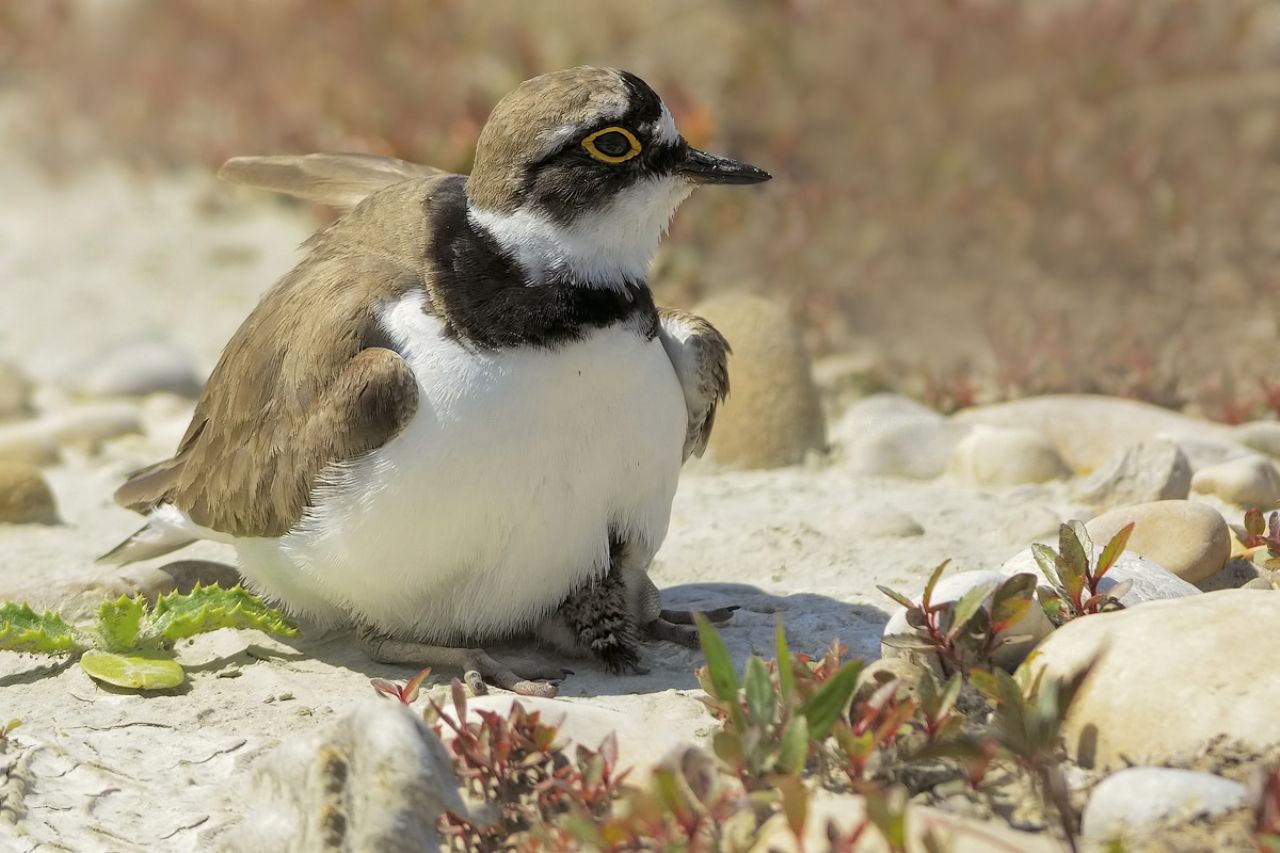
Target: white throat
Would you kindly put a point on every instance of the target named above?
(608, 247)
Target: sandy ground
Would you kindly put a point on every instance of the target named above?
(105, 258)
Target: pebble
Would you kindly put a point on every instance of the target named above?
(1137, 798)
(1005, 456)
(876, 410)
(90, 424)
(1144, 472)
(1035, 625)
(1261, 436)
(26, 442)
(377, 771)
(1189, 539)
(1250, 481)
(1170, 677)
(912, 449)
(25, 497)
(885, 521)
(1089, 431)
(135, 368)
(773, 416)
(15, 392)
(1151, 581)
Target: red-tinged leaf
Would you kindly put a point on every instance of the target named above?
(969, 604)
(385, 688)
(881, 697)
(950, 694)
(1012, 600)
(459, 700)
(933, 582)
(795, 803)
(895, 720)
(1254, 524)
(827, 704)
(414, 685)
(897, 596)
(1112, 552)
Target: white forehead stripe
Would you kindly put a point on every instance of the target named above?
(665, 132)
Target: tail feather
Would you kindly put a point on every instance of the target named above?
(149, 541)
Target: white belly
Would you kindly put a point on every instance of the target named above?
(500, 495)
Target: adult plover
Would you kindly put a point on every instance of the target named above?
(461, 417)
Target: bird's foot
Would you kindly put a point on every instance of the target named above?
(479, 668)
(676, 626)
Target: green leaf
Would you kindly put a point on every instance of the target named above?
(1047, 560)
(985, 683)
(827, 704)
(969, 604)
(794, 749)
(786, 675)
(933, 582)
(1012, 600)
(724, 678)
(1073, 563)
(927, 691)
(135, 672)
(119, 621)
(897, 596)
(795, 803)
(759, 689)
(1112, 552)
(24, 630)
(728, 748)
(208, 608)
(950, 694)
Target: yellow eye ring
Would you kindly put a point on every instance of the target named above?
(590, 144)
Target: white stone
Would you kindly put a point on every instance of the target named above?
(1151, 581)
(1035, 625)
(1088, 430)
(875, 410)
(86, 425)
(1005, 456)
(1249, 481)
(1261, 436)
(1147, 471)
(913, 449)
(26, 442)
(1131, 800)
(136, 368)
(1189, 539)
(15, 392)
(1170, 676)
(375, 779)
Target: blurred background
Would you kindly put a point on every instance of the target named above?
(974, 199)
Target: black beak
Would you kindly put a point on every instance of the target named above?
(703, 168)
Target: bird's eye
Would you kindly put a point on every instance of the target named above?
(612, 145)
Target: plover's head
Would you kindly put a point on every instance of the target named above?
(578, 172)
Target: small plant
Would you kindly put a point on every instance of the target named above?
(938, 717)
(1073, 589)
(7, 729)
(407, 694)
(1266, 814)
(1263, 534)
(871, 729)
(964, 634)
(130, 644)
(513, 764)
(773, 715)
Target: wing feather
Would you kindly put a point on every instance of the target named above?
(700, 357)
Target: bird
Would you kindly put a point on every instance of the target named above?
(461, 417)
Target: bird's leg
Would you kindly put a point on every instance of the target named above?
(477, 665)
(676, 626)
(598, 616)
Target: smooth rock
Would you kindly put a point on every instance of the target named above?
(136, 368)
(15, 392)
(640, 745)
(1250, 481)
(1035, 625)
(1189, 539)
(88, 425)
(375, 779)
(773, 416)
(1259, 583)
(1151, 581)
(1170, 677)
(871, 412)
(1005, 456)
(26, 442)
(1145, 472)
(1261, 436)
(885, 521)
(910, 449)
(1089, 430)
(25, 498)
(1137, 798)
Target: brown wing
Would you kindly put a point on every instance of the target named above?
(700, 356)
(338, 180)
(305, 383)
